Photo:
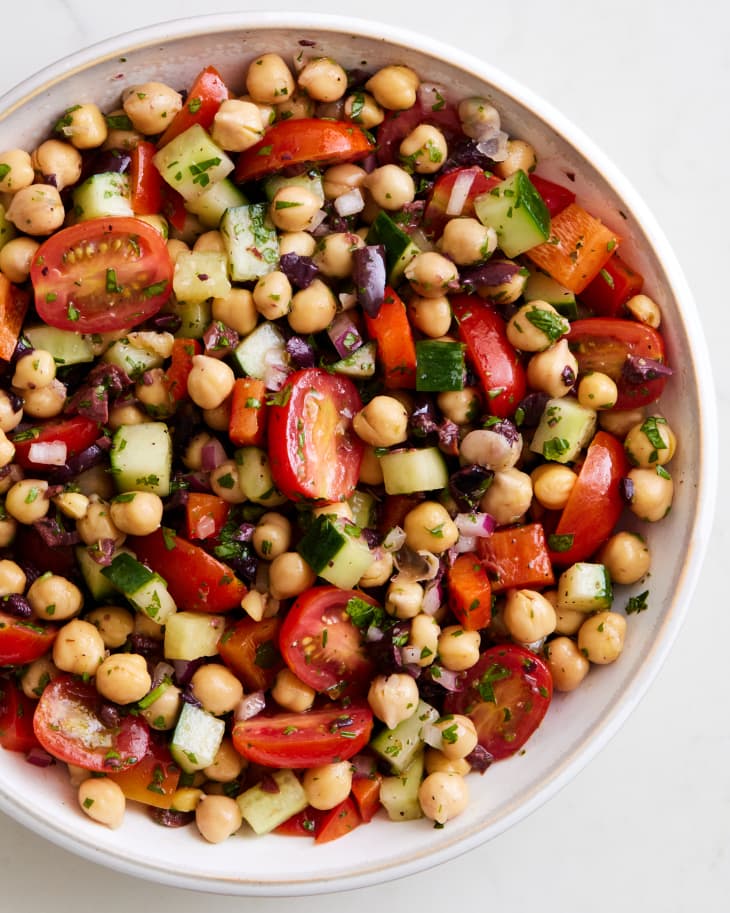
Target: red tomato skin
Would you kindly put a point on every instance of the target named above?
(16, 718)
(366, 795)
(303, 740)
(210, 91)
(517, 557)
(142, 267)
(555, 196)
(145, 181)
(306, 823)
(197, 581)
(300, 141)
(23, 641)
(181, 364)
(337, 662)
(595, 503)
(607, 294)
(314, 452)
(203, 510)
(602, 344)
(242, 645)
(494, 358)
(124, 746)
(526, 692)
(338, 821)
(77, 433)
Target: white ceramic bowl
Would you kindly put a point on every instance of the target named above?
(577, 725)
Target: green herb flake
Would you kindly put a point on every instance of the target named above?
(637, 603)
(485, 686)
(555, 448)
(550, 324)
(559, 543)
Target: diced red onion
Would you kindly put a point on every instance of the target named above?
(184, 669)
(160, 673)
(316, 220)
(374, 634)
(205, 527)
(348, 300)
(50, 453)
(344, 334)
(212, 455)
(495, 146)
(250, 706)
(275, 377)
(350, 203)
(39, 758)
(410, 654)
(475, 524)
(447, 678)
(394, 540)
(460, 192)
(465, 544)
(432, 599)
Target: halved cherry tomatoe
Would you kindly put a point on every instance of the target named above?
(322, 646)
(506, 695)
(77, 433)
(68, 725)
(23, 641)
(314, 452)
(101, 275)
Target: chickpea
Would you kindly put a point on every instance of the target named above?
(426, 150)
(36, 676)
(312, 308)
(371, 472)
(651, 443)
(58, 160)
(529, 617)
(237, 310)
(620, 421)
(437, 762)
(237, 125)
(552, 484)
(45, 402)
(254, 604)
(391, 187)
(337, 509)
(334, 254)
(217, 688)
(103, 801)
(78, 648)
(506, 292)
(12, 578)
(114, 623)
(84, 126)
(626, 557)
(163, 712)
(430, 274)
(553, 371)
(458, 734)
(382, 423)
(7, 449)
(536, 326)
(267, 111)
(520, 157)
(8, 528)
(36, 369)
(466, 241)
(219, 418)
(568, 621)
(298, 105)
(497, 448)
(328, 784)
(477, 116)
(272, 295)
(97, 524)
(601, 637)
(424, 637)
(137, 513)
(458, 648)
(645, 310)
(227, 764)
(394, 87)
(123, 678)
(226, 484)
(269, 80)
(272, 536)
(379, 572)
(175, 246)
(54, 597)
(362, 108)
(323, 79)
(429, 527)
(652, 493)
(16, 257)
(210, 381)
(16, 169)
(26, 500)
(566, 663)
(404, 599)
(340, 179)
(291, 693)
(509, 496)
(145, 626)
(36, 210)
(393, 698)
(193, 456)
(460, 406)
(151, 106)
(293, 207)
(443, 796)
(297, 242)
(289, 575)
(217, 817)
(597, 391)
(432, 316)
(210, 242)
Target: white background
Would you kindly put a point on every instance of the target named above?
(647, 825)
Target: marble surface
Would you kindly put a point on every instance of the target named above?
(646, 826)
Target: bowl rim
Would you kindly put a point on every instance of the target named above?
(181, 28)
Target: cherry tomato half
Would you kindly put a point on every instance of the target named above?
(77, 433)
(16, 717)
(301, 740)
(322, 646)
(101, 275)
(153, 780)
(436, 213)
(23, 641)
(506, 695)
(250, 649)
(68, 726)
(313, 449)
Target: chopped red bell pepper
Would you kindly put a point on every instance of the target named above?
(517, 557)
(205, 515)
(556, 197)
(145, 181)
(342, 819)
(392, 333)
(470, 592)
(607, 294)
(247, 426)
(181, 364)
(306, 823)
(13, 306)
(206, 95)
(366, 794)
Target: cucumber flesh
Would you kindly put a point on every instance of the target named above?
(335, 550)
(517, 212)
(399, 794)
(565, 427)
(250, 240)
(141, 458)
(102, 195)
(360, 364)
(195, 317)
(311, 182)
(264, 810)
(250, 354)
(199, 275)
(406, 471)
(192, 162)
(100, 587)
(400, 248)
(144, 589)
(197, 738)
(212, 203)
(67, 347)
(190, 635)
(541, 287)
(585, 587)
(400, 746)
(133, 360)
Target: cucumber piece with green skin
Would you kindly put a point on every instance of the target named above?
(334, 549)
(400, 746)
(517, 212)
(585, 587)
(250, 240)
(100, 587)
(565, 427)
(439, 366)
(192, 162)
(264, 810)
(362, 505)
(191, 635)
(360, 364)
(200, 275)
(133, 360)
(196, 739)
(143, 589)
(251, 353)
(212, 203)
(419, 469)
(312, 181)
(67, 347)
(141, 458)
(254, 477)
(400, 248)
(102, 195)
(195, 318)
(541, 287)
(399, 795)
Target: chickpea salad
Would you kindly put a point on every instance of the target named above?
(325, 424)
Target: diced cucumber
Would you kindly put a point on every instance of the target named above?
(199, 275)
(421, 469)
(251, 241)
(197, 738)
(541, 287)
(263, 810)
(333, 552)
(362, 505)
(312, 181)
(141, 458)
(195, 317)
(67, 347)
(251, 352)
(190, 635)
(132, 359)
(400, 248)
(212, 203)
(585, 587)
(102, 195)
(360, 364)
(517, 212)
(400, 746)
(191, 162)
(564, 428)
(7, 229)
(100, 587)
(144, 589)
(399, 794)
(254, 477)
(439, 365)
